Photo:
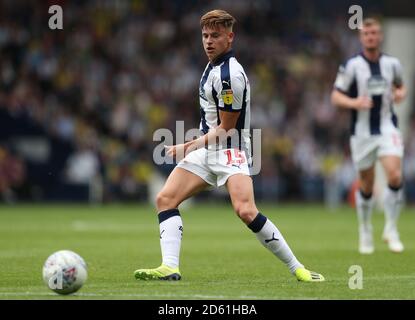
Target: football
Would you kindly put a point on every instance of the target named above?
(64, 272)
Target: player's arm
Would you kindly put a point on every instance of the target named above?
(399, 90)
(341, 100)
(344, 79)
(227, 122)
(220, 133)
(230, 106)
(399, 93)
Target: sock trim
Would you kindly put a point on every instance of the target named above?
(395, 188)
(365, 196)
(257, 224)
(167, 214)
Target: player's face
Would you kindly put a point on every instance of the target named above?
(216, 41)
(371, 37)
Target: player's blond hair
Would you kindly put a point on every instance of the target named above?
(215, 18)
(368, 22)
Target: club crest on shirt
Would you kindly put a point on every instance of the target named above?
(376, 85)
(227, 96)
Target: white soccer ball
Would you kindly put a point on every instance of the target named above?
(65, 272)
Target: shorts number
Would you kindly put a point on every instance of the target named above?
(237, 158)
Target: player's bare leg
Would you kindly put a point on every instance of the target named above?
(241, 191)
(180, 185)
(364, 207)
(393, 197)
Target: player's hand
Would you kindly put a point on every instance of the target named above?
(178, 151)
(398, 95)
(363, 103)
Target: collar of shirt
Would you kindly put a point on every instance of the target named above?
(370, 61)
(223, 58)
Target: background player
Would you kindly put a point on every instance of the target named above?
(369, 84)
(224, 105)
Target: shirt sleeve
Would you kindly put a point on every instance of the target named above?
(232, 93)
(344, 78)
(397, 74)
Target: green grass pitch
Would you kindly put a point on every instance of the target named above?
(220, 257)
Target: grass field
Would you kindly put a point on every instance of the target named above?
(220, 258)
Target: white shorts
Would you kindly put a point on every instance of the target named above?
(365, 151)
(216, 166)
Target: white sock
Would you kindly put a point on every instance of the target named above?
(392, 206)
(171, 232)
(364, 209)
(272, 239)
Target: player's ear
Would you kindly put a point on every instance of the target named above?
(381, 35)
(231, 35)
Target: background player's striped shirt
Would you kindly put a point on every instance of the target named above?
(225, 86)
(361, 77)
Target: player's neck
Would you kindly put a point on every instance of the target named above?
(372, 55)
(220, 57)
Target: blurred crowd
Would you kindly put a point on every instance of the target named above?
(119, 70)
(12, 173)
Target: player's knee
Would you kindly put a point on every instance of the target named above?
(165, 201)
(395, 178)
(366, 185)
(366, 189)
(246, 212)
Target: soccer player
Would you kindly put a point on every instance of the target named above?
(216, 158)
(369, 84)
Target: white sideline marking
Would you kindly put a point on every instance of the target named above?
(82, 226)
(28, 293)
(138, 295)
